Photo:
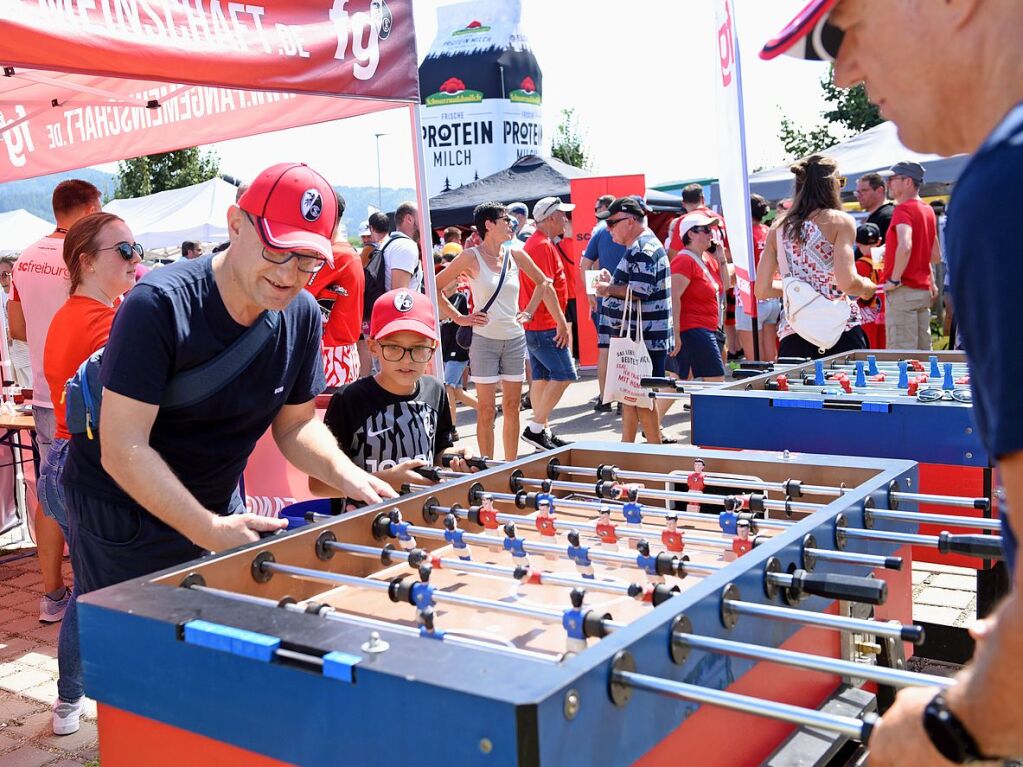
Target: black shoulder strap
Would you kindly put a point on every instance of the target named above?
(500, 281)
(199, 383)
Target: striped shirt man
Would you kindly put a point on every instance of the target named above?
(645, 269)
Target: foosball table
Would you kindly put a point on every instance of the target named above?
(874, 403)
(595, 605)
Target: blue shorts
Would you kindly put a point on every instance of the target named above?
(453, 370)
(700, 355)
(51, 483)
(547, 361)
(658, 359)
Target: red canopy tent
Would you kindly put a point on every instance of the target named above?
(95, 81)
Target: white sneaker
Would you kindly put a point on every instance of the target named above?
(52, 610)
(66, 716)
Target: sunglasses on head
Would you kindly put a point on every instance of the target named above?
(128, 250)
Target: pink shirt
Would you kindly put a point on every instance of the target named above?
(41, 285)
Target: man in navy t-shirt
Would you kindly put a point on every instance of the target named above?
(158, 486)
(972, 102)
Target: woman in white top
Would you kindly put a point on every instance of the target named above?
(814, 243)
(498, 350)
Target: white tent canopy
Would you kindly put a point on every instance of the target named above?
(873, 150)
(19, 229)
(166, 219)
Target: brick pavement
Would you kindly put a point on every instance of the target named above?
(28, 666)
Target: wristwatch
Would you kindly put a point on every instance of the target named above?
(896, 283)
(949, 735)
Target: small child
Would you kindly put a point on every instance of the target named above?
(868, 236)
(399, 419)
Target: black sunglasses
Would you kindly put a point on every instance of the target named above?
(700, 230)
(128, 250)
(612, 223)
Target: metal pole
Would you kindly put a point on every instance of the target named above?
(826, 620)
(843, 725)
(380, 194)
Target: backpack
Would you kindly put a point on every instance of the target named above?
(374, 271)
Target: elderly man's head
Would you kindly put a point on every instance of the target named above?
(625, 219)
(549, 215)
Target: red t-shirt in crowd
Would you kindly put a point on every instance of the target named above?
(699, 304)
(566, 249)
(546, 256)
(345, 283)
(80, 327)
(759, 242)
(920, 216)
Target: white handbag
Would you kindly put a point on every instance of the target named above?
(818, 319)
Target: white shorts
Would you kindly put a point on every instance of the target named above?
(768, 313)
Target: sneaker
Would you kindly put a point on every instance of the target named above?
(525, 403)
(66, 716)
(52, 610)
(542, 439)
(601, 407)
(669, 439)
(453, 435)
(558, 441)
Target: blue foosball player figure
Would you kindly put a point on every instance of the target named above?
(580, 555)
(456, 538)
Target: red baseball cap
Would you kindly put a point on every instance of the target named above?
(402, 309)
(294, 207)
(808, 35)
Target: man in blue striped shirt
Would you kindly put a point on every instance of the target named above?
(643, 270)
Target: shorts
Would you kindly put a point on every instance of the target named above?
(51, 483)
(768, 313)
(700, 355)
(341, 364)
(546, 360)
(658, 359)
(794, 345)
(730, 306)
(453, 370)
(492, 360)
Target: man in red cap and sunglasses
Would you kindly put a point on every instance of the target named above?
(158, 485)
(950, 76)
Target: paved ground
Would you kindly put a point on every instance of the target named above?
(28, 666)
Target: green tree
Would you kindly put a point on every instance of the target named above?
(159, 172)
(568, 141)
(850, 113)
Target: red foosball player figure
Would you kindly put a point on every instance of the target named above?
(545, 520)
(606, 529)
(741, 543)
(671, 537)
(696, 482)
(488, 515)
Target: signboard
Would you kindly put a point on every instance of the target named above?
(734, 173)
(481, 94)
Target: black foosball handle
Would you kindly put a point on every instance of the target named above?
(744, 373)
(659, 382)
(983, 546)
(476, 462)
(851, 588)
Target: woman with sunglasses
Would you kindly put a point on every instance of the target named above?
(814, 243)
(497, 353)
(101, 255)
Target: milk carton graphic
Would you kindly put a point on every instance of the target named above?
(481, 94)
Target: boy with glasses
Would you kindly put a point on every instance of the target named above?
(397, 420)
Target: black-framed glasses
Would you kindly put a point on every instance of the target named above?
(128, 250)
(396, 353)
(612, 223)
(306, 263)
(937, 395)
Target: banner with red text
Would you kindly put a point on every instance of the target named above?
(734, 172)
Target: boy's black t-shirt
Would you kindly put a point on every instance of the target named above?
(378, 429)
(448, 329)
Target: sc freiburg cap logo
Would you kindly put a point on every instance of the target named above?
(403, 301)
(312, 205)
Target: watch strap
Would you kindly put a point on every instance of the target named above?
(949, 735)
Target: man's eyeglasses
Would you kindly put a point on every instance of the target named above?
(128, 250)
(612, 223)
(395, 353)
(937, 395)
(5, 275)
(306, 263)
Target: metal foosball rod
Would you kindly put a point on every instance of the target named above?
(330, 613)
(796, 585)
(874, 365)
(624, 679)
(684, 640)
(791, 488)
(415, 557)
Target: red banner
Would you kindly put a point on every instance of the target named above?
(333, 47)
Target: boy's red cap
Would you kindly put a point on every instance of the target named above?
(402, 309)
(294, 207)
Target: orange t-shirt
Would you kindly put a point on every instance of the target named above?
(80, 327)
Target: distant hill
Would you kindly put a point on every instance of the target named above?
(35, 194)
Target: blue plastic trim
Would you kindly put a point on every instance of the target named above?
(340, 666)
(247, 644)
